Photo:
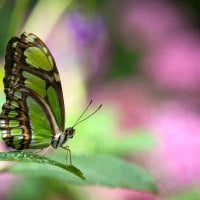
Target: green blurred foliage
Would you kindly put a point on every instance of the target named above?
(44, 188)
(188, 194)
(123, 61)
(90, 6)
(101, 135)
(12, 16)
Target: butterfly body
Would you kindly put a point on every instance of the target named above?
(33, 115)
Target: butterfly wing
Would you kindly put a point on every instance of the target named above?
(34, 108)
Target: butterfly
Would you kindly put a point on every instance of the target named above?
(33, 116)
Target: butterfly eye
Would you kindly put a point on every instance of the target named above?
(70, 132)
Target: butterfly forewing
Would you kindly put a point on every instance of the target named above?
(34, 108)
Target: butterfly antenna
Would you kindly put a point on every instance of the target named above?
(82, 113)
(78, 122)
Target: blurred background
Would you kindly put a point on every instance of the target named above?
(141, 60)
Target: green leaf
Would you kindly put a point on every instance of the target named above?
(30, 157)
(103, 170)
(111, 171)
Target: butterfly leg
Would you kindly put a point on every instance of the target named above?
(68, 154)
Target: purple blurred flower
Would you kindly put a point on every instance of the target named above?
(80, 41)
(90, 37)
(86, 30)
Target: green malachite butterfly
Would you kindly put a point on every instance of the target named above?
(33, 116)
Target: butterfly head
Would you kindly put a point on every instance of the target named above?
(69, 132)
(61, 138)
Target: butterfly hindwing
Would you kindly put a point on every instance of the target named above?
(34, 99)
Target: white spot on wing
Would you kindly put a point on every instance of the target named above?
(45, 50)
(4, 135)
(56, 76)
(2, 121)
(30, 38)
(14, 45)
(4, 132)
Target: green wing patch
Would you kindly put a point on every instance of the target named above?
(35, 83)
(40, 125)
(36, 57)
(54, 103)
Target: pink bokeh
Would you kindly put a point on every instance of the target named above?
(176, 159)
(168, 40)
(149, 22)
(175, 64)
(118, 194)
(129, 98)
(7, 180)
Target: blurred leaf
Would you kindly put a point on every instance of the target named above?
(98, 169)
(5, 20)
(132, 143)
(89, 6)
(2, 2)
(12, 16)
(114, 172)
(17, 17)
(45, 188)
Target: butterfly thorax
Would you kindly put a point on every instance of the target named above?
(61, 138)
